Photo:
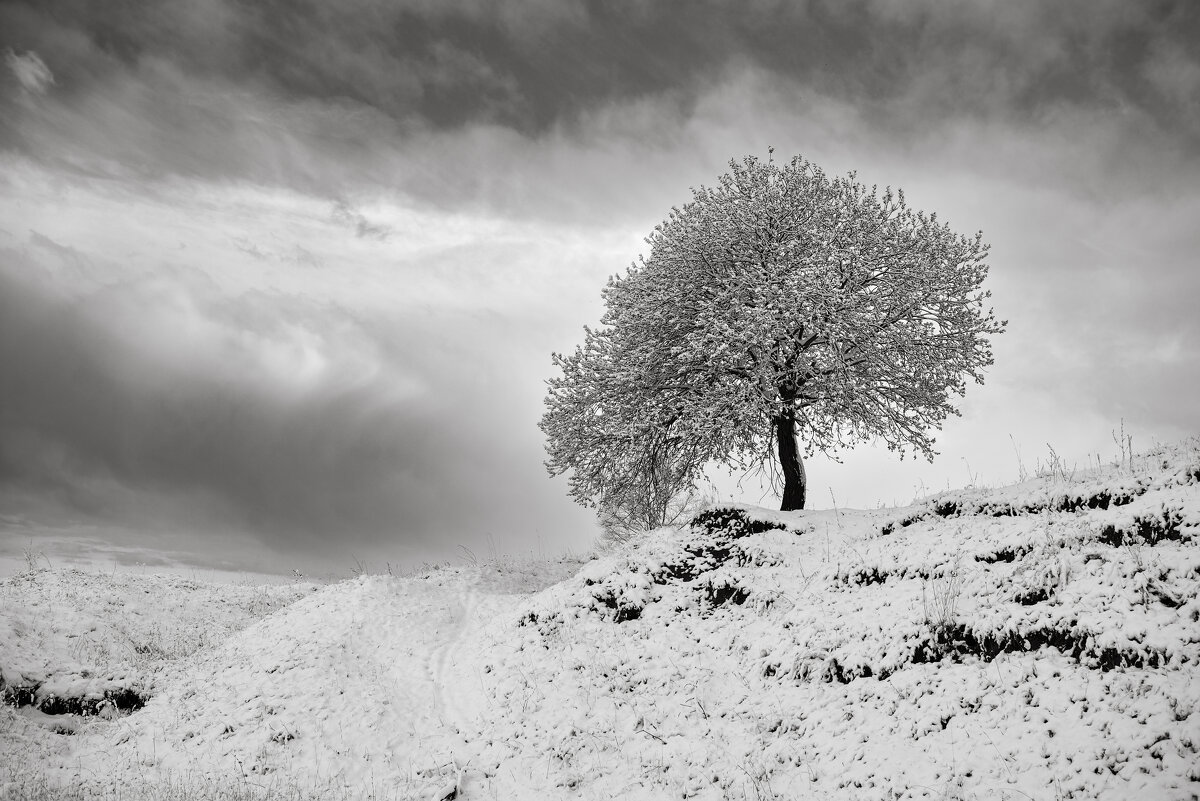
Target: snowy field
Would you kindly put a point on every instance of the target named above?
(1036, 641)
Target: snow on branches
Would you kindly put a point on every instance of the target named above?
(777, 300)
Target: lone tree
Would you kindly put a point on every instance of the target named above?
(778, 303)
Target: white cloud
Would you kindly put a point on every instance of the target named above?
(32, 73)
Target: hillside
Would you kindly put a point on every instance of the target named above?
(1033, 641)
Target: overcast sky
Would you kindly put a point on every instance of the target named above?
(279, 281)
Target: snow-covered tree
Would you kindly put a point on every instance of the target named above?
(627, 457)
(778, 302)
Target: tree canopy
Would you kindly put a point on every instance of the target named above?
(779, 302)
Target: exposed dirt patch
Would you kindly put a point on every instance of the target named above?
(31, 695)
(1147, 530)
(955, 641)
(720, 593)
(732, 522)
(622, 609)
(1007, 555)
(1067, 502)
(717, 531)
(865, 576)
(1034, 595)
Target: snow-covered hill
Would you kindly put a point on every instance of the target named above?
(1035, 641)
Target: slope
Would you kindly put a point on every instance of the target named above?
(1034, 641)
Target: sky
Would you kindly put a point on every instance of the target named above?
(279, 282)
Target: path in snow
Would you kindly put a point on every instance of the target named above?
(450, 659)
(349, 688)
(370, 687)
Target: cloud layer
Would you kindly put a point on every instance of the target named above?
(292, 272)
(303, 95)
(310, 412)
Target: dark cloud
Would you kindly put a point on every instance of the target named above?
(162, 401)
(294, 92)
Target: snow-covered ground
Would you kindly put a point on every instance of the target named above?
(1037, 641)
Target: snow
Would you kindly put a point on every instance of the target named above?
(1033, 641)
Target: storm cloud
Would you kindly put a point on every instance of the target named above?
(156, 395)
(320, 97)
(274, 413)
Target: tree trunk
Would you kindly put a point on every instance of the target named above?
(795, 482)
